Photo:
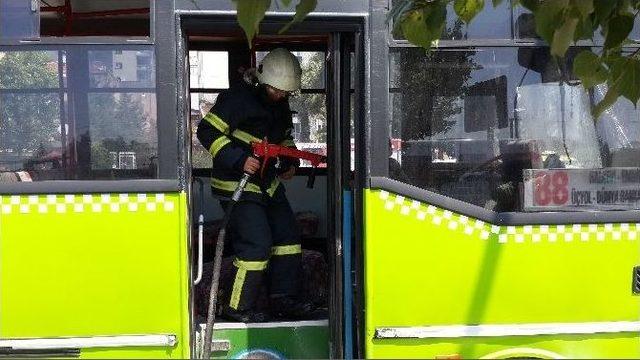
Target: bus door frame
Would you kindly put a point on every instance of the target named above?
(338, 26)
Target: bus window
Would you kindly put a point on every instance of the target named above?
(491, 23)
(78, 113)
(209, 75)
(19, 19)
(525, 27)
(470, 123)
(31, 19)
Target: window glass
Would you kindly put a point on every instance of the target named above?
(95, 18)
(201, 103)
(30, 69)
(121, 69)
(310, 111)
(310, 123)
(209, 69)
(469, 124)
(123, 130)
(210, 74)
(62, 117)
(490, 23)
(28, 19)
(19, 19)
(30, 132)
(525, 27)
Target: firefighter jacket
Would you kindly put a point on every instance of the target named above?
(241, 115)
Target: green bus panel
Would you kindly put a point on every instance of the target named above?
(426, 267)
(95, 265)
(295, 341)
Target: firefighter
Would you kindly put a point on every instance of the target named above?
(264, 234)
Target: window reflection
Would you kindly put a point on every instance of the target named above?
(466, 123)
(30, 132)
(123, 130)
(121, 69)
(30, 69)
(64, 114)
(525, 27)
(19, 19)
(491, 23)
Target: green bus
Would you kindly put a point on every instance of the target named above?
(471, 207)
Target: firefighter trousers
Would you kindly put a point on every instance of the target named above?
(265, 240)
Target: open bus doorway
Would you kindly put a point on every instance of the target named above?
(323, 120)
(216, 67)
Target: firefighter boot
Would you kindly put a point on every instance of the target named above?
(287, 307)
(244, 316)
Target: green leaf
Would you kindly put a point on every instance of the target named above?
(436, 18)
(250, 14)
(618, 29)
(609, 99)
(629, 85)
(623, 81)
(468, 9)
(548, 15)
(585, 7)
(585, 28)
(603, 9)
(303, 8)
(531, 5)
(588, 67)
(424, 25)
(563, 36)
(414, 29)
(497, 3)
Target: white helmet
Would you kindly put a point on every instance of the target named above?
(280, 69)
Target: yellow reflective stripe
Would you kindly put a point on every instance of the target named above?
(250, 265)
(218, 145)
(217, 123)
(244, 136)
(286, 250)
(253, 188)
(221, 125)
(288, 142)
(232, 185)
(238, 283)
(241, 275)
(224, 185)
(274, 185)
